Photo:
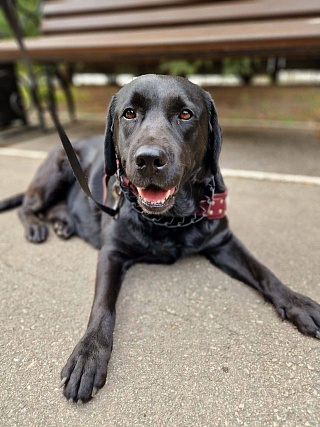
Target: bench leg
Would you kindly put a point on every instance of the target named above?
(65, 84)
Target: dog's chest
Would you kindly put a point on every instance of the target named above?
(166, 247)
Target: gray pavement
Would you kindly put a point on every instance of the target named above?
(192, 348)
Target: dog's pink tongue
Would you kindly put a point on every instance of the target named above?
(154, 195)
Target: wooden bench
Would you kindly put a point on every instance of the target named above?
(138, 31)
(117, 33)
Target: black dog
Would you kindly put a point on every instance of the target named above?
(163, 142)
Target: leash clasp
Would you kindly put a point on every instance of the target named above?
(119, 197)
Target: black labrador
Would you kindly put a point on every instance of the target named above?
(162, 145)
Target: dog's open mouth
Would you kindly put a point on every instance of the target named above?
(156, 200)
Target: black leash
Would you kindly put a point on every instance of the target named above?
(73, 159)
(76, 167)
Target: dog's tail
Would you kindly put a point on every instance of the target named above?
(11, 202)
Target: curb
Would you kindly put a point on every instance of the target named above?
(269, 124)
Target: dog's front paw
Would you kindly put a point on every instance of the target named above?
(302, 311)
(86, 370)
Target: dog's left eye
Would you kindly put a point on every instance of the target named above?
(129, 113)
(185, 114)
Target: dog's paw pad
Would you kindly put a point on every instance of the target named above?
(63, 229)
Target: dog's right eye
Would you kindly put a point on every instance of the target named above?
(129, 113)
(185, 114)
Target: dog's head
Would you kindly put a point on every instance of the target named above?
(165, 133)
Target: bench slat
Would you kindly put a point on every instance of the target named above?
(187, 15)
(212, 39)
(54, 8)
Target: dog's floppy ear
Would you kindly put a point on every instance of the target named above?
(110, 163)
(215, 136)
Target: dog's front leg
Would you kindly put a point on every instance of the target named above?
(234, 259)
(86, 369)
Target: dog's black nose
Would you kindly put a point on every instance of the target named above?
(150, 158)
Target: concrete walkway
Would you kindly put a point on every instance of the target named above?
(193, 348)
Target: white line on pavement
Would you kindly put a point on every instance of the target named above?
(271, 176)
(232, 173)
(28, 154)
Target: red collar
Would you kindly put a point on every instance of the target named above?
(216, 208)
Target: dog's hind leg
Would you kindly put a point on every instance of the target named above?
(49, 187)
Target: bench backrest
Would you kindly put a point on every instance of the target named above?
(74, 16)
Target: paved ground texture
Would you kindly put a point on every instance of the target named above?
(193, 348)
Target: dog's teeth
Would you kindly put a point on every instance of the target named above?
(157, 202)
(143, 193)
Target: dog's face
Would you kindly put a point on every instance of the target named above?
(164, 132)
